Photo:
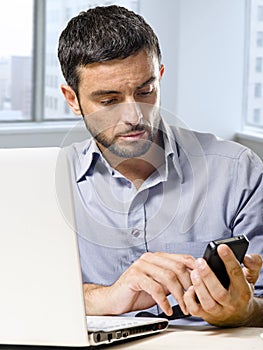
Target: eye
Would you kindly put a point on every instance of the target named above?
(108, 101)
(146, 92)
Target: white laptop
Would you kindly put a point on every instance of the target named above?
(41, 300)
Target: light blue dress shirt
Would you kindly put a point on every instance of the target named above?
(207, 189)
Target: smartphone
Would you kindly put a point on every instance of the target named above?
(238, 244)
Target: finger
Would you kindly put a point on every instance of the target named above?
(190, 299)
(157, 292)
(177, 264)
(252, 267)
(208, 291)
(167, 278)
(208, 288)
(253, 261)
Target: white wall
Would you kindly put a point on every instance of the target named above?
(203, 51)
(163, 16)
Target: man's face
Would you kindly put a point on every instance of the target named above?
(119, 100)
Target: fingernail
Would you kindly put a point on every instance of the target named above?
(200, 263)
(249, 257)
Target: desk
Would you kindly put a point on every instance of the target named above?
(187, 338)
(179, 338)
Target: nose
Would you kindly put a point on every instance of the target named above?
(132, 113)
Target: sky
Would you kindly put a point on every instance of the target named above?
(16, 27)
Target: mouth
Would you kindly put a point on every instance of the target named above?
(133, 136)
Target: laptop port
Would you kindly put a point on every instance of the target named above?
(118, 335)
(98, 337)
(109, 337)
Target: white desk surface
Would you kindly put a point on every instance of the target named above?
(244, 338)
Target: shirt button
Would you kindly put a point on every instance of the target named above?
(136, 233)
(129, 184)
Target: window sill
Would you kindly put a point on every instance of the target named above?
(250, 135)
(42, 134)
(40, 127)
(252, 139)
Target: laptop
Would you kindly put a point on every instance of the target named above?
(41, 296)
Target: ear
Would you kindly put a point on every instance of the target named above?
(71, 98)
(161, 71)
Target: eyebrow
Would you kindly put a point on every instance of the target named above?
(110, 92)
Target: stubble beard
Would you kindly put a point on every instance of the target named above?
(122, 149)
(131, 149)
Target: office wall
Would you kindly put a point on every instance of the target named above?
(164, 17)
(203, 51)
(203, 45)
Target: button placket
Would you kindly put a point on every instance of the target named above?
(136, 220)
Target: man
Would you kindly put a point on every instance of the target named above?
(148, 196)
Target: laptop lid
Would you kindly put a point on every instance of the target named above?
(41, 295)
(38, 253)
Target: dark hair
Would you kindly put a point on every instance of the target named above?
(103, 34)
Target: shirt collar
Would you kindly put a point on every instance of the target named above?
(171, 148)
(90, 153)
(88, 157)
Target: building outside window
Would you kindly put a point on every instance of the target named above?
(260, 39)
(254, 81)
(257, 115)
(260, 13)
(258, 90)
(16, 60)
(19, 84)
(57, 15)
(259, 64)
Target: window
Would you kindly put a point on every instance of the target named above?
(258, 88)
(259, 64)
(16, 60)
(30, 75)
(57, 15)
(260, 39)
(260, 13)
(256, 115)
(254, 82)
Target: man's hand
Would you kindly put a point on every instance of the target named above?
(218, 306)
(145, 283)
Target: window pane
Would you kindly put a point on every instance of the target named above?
(260, 13)
(256, 115)
(58, 13)
(254, 112)
(260, 39)
(257, 90)
(259, 64)
(16, 28)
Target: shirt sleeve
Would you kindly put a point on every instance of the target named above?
(248, 218)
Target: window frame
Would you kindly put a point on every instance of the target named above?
(39, 15)
(249, 128)
(37, 126)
